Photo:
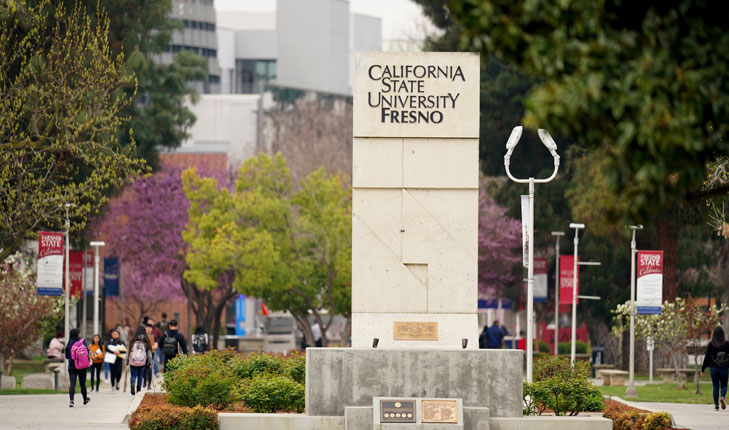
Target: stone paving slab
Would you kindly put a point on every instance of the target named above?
(107, 410)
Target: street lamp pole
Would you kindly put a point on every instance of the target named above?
(631, 391)
(66, 322)
(573, 347)
(547, 140)
(556, 234)
(96, 246)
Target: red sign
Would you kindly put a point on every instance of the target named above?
(566, 277)
(649, 284)
(75, 272)
(89, 259)
(50, 243)
(650, 262)
(540, 266)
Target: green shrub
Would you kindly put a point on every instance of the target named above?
(204, 379)
(272, 393)
(593, 401)
(559, 386)
(543, 347)
(657, 421)
(166, 417)
(566, 347)
(258, 363)
(295, 367)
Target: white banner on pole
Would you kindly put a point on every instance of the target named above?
(50, 264)
(649, 283)
(525, 229)
(540, 279)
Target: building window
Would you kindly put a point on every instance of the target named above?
(251, 74)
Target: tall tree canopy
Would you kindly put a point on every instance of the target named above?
(646, 82)
(60, 110)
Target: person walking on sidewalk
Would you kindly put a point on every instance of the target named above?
(140, 358)
(77, 353)
(97, 360)
(172, 343)
(717, 360)
(116, 347)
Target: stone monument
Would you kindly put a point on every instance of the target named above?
(414, 361)
(415, 200)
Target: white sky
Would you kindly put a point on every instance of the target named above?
(401, 19)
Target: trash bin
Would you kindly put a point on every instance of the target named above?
(598, 357)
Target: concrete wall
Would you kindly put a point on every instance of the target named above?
(227, 122)
(340, 377)
(313, 45)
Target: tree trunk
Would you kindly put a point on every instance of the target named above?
(668, 243)
(303, 324)
(347, 331)
(10, 363)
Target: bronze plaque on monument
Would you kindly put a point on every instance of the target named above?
(439, 411)
(397, 411)
(411, 330)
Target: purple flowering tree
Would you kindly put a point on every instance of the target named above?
(143, 228)
(499, 248)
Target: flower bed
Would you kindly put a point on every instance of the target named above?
(154, 413)
(625, 417)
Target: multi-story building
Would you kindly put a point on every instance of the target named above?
(198, 34)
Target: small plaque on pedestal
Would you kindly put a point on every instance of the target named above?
(412, 330)
(397, 411)
(439, 411)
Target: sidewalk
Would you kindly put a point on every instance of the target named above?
(695, 417)
(107, 410)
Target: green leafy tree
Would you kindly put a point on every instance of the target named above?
(61, 106)
(290, 249)
(644, 81)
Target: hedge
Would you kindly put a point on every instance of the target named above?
(561, 387)
(625, 418)
(168, 417)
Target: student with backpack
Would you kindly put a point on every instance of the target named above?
(79, 360)
(140, 358)
(717, 360)
(97, 360)
(200, 341)
(115, 356)
(172, 343)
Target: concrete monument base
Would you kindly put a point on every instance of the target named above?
(342, 377)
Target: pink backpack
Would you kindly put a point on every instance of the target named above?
(80, 355)
(138, 357)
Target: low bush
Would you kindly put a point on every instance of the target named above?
(543, 347)
(173, 417)
(295, 367)
(204, 379)
(566, 347)
(626, 418)
(272, 393)
(561, 387)
(258, 363)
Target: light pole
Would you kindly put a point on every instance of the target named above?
(66, 322)
(556, 234)
(547, 140)
(96, 246)
(630, 390)
(573, 347)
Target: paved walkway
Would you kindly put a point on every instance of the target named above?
(107, 410)
(695, 417)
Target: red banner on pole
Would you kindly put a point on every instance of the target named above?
(75, 268)
(566, 277)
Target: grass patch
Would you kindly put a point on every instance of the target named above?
(665, 393)
(8, 392)
(24, 367)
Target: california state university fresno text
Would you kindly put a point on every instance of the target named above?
(402, 98)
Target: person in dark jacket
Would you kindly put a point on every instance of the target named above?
(74, 373)
(719, 374)
(117, 347)
(172, 343)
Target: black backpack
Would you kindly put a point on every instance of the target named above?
(199, 342)
(722, 360)
(169, 345)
